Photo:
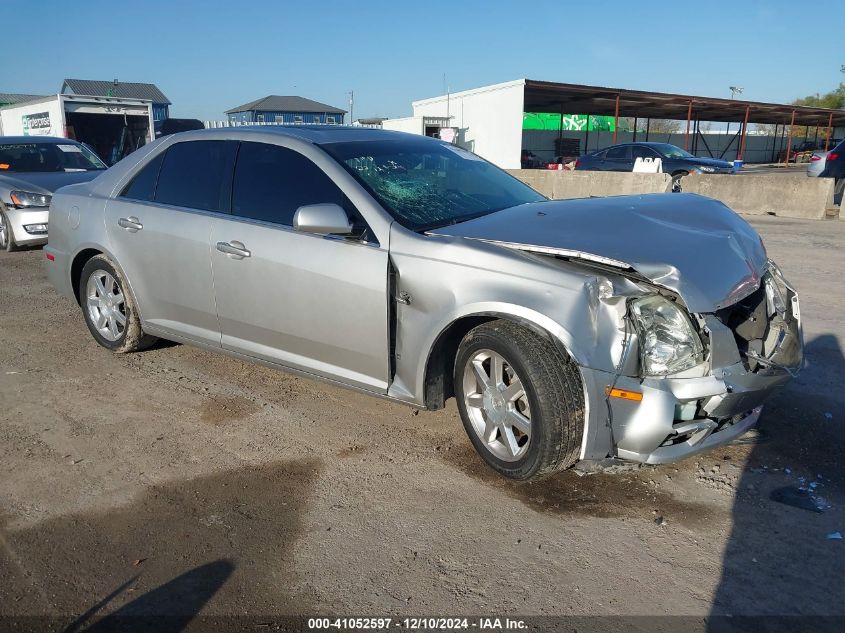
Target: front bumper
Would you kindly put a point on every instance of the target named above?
(21, 222)
(677, 418)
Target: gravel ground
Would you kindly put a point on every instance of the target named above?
(177, 481)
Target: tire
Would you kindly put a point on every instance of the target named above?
(838, 190)
(102, 291)
(676, 182)
(7, 238)
(551, 400)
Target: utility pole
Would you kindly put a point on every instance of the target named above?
(351, 94)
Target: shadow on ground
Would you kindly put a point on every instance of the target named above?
(221, 544)
(778, 560)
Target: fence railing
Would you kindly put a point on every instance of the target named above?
(221, 124)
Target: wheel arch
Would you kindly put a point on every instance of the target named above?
(86, 253)
(437, 373)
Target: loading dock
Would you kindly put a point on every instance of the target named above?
(114, 127)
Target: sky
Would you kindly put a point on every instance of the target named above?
(210, 56)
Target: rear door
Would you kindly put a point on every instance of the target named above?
(159, 228)
(618, 158)
(316, 303)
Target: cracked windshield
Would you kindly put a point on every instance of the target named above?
(426, 184)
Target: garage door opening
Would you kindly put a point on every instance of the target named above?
(113, 136)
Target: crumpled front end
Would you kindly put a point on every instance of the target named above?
(748, 350)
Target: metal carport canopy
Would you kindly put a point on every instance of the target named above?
(548, 96)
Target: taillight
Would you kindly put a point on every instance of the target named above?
(815, 157)
(832, 156)
(577, 163)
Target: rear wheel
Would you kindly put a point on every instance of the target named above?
(108, 308)
(520, 400)
(838, 190)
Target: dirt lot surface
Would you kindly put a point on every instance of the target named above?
(178, 481)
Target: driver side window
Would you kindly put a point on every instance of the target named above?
(271, 182)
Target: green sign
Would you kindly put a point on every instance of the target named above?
(571, 122)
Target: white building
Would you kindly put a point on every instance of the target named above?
(492, 121)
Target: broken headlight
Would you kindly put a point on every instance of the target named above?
(668, 341)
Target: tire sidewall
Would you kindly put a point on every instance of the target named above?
(524, 467)
(9, 246)
(92, 265)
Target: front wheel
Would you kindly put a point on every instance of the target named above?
(676, 182)
(7, 239)
(520, 400)
(108, 308)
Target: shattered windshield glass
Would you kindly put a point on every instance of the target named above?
(426, 184)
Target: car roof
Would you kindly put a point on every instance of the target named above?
(17, 140)
(317, 134)
(637, 143)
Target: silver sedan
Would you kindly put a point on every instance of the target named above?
(647, 328)
(31, 169)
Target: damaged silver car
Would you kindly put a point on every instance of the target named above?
(647, 328)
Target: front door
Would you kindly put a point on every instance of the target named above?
(618, 158)
(311, 302)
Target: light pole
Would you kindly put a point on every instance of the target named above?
(351, 94)
(735, 90)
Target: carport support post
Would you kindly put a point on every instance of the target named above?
(789, 137)
(635, 130)
(686, 134)
(744, 133)
(616, 120)
(829, 131)
(648, 127)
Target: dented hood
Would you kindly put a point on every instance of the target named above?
(687, 243)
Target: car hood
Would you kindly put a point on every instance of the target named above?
(692, 245)
(44, 182)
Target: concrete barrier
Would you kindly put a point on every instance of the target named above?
(785, 196)
(560, 185)
(789, 197)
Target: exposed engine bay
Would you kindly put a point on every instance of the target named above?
(765, 326)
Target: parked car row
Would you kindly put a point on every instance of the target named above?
(676, 161)
(413, 270)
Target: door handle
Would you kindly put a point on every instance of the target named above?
(235, 249)
(131, 223)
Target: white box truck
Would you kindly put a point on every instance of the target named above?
(114, 127)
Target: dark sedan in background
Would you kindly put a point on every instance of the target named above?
(676, 161)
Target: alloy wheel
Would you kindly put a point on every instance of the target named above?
(106, 305)
(497, 405)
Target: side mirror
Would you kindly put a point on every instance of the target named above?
(325, 219)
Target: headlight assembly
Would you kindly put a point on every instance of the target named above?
(26, 199)
(668, 342)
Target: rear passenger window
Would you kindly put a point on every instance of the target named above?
(643, 152)
(272, 182)
(143, 186)
(617, 153)
(195, 174)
